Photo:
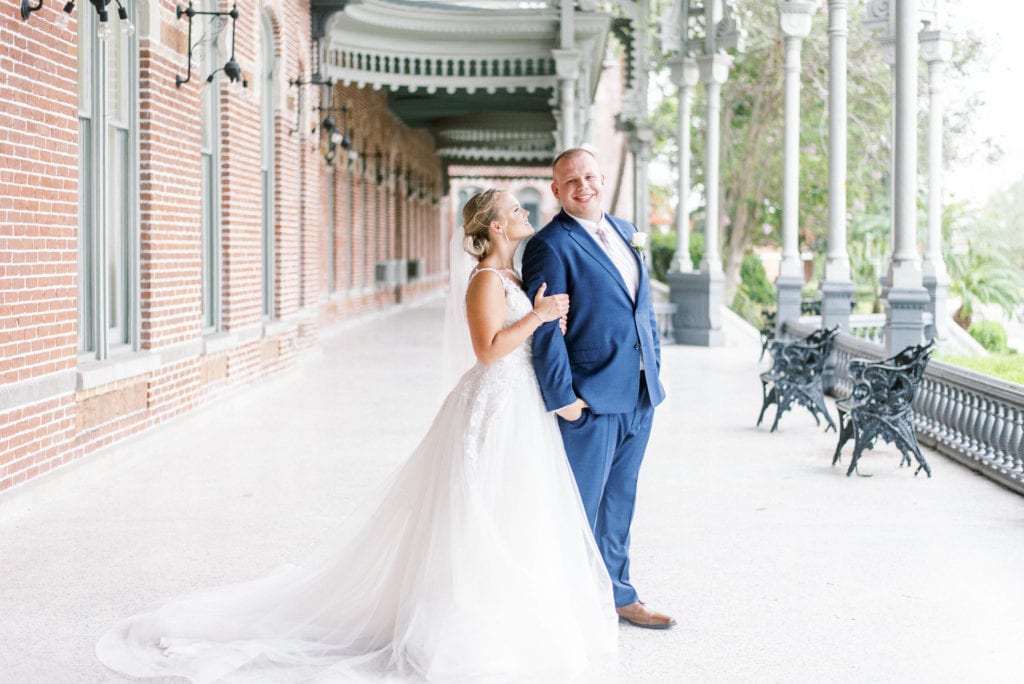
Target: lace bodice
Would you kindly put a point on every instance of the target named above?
(517, 304)
(486, 390)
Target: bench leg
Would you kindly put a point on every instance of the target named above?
(845, 433)
(767, 397)
(907, 443)
(858, 447)
(783, 400)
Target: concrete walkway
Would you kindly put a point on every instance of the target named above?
(778, 567)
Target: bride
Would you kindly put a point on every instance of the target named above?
(476, 565)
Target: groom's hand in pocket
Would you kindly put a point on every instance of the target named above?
(573, 411)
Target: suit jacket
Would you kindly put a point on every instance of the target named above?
(599, 357)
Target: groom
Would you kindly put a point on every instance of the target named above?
(601, 378)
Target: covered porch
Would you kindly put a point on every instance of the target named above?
(777, 565)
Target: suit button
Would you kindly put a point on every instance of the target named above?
(636, 346)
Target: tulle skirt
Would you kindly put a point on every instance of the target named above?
(475, 565)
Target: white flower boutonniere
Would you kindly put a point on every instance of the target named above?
(639, 241)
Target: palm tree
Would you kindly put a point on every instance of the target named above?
(983, 276)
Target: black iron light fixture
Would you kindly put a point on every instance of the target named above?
(103, 31)
(299, 108)
(335, 136)
(231, 68)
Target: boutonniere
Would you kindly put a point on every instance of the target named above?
(639, 241)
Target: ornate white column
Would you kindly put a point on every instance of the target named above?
(936, 50)
(685, 74)
(567, 68)
(640, 143)
(906, 299)
(795, 24)
(714, 71)
(642, 135)
(837, 288)
(879, 17)
(698, 295)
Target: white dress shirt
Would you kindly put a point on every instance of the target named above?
(617, 250)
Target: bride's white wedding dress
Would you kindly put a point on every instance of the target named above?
(477, 565)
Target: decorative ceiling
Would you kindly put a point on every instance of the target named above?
(479, 75)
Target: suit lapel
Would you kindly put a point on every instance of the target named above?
(582, 238)
(644, 279)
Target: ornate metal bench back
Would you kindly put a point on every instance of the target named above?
(888, 386)
(803, 360)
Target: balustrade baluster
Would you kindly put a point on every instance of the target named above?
(968, 444)
(987, 450)
(936, 392)
(1000, 437)
(956, 424)
(974, 428)
(924, 409)
(1016, 442)
(942, 413)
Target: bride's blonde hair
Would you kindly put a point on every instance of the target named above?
(478, 214)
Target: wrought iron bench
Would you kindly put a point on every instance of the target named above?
(881, 405)
(796, 375)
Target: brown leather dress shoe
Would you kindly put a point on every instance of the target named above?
(640, 615)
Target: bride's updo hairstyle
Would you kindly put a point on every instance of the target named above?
(477, 215)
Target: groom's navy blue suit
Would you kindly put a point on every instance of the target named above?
(599, 359)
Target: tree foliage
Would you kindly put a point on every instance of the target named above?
(752, 139)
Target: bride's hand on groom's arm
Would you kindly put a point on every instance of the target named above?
(551, 308)
(573, 411)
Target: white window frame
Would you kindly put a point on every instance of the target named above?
(109, 262)
(267, 159)
(210, 168)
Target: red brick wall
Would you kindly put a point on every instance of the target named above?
(38, 233)
(52, 407)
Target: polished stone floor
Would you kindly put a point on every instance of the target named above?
(778, 567)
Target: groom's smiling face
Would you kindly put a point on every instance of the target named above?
(577, 185)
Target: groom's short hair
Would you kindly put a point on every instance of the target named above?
(569, 154)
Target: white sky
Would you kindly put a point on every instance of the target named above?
(999, 23)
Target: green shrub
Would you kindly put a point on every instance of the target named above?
(991, 335)
(754, 281)
(662, 247)
(1009, 367)
(748, 309)
(696, 249)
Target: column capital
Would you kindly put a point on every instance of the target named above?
(837, 18)
(684, 71)
(878, 16)
(795, 17)
(936, 46)
(714, 69)
(567, 63)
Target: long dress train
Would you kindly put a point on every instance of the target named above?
(477, 565)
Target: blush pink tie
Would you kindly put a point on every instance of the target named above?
(603, 237)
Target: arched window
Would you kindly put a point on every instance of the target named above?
(267, 89)
(464, 195)
(529, 199)
(108, 245)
